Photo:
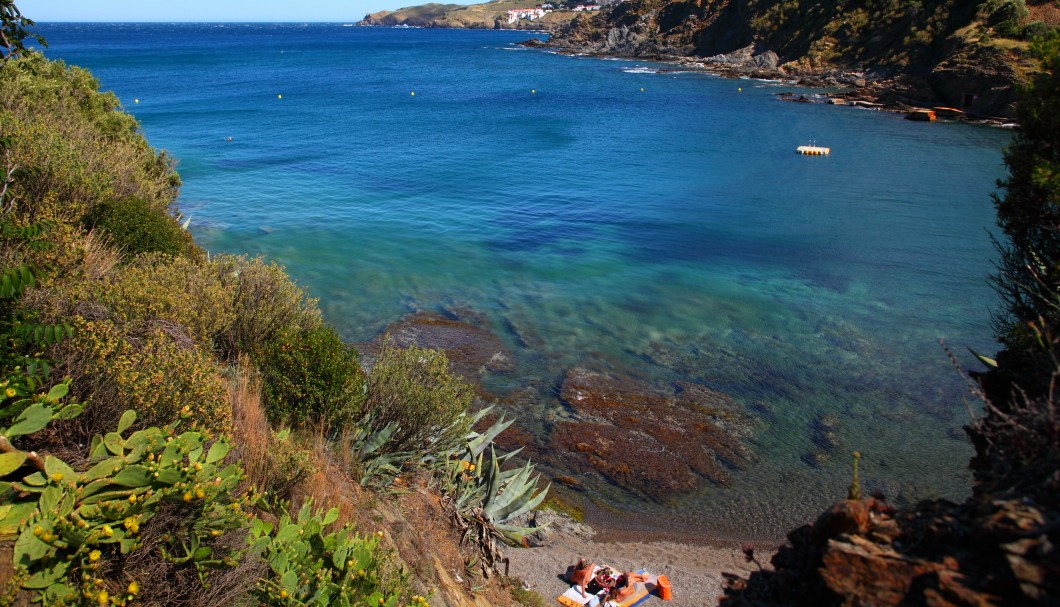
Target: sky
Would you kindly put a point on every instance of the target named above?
(345, 11)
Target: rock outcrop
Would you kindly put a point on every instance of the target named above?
(661, 445)
(935, 53)
(860, 552)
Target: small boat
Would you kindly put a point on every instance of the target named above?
(921, 115)
(813, 150)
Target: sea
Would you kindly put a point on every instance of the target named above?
(602, 212)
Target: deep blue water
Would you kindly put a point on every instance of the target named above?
(597, 210)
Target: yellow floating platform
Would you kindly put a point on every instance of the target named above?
(813, 150)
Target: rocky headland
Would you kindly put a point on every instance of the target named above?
(965, 55)
(489, 15)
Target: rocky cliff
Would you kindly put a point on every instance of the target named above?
(953, 52)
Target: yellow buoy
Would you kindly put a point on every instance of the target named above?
(642, 89)
(412, 94)
(279, 96)
(739, 90)
(533, 90)
(136, 101)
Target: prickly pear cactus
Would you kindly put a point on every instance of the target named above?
(69, 523)
(310, 566)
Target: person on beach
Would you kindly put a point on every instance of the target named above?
(624, 585)
(582, 574)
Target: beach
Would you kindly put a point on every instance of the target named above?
(694, 571)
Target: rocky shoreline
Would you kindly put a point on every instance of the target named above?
(868, 89)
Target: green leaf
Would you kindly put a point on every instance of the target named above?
(133, 476)
(29, 548)
(15, 516)
(338, 558)
(170, 455)
(102, 469)
(287, 533)
(94, 487)
(54, 465)
(331, 517)
(36, 479)
(217, 452)
(47, 576)
(9, 462)
(58, 391)
(96, 448)
(114, 443)
(169, 476)
(127, 419)
(33, 419)
(49, 499)
(289, 581)
(71, 411)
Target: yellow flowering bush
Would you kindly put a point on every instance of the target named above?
(160, 287)
(155, 372)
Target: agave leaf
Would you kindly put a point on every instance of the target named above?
(375, 440)
(513, 535)
(492, 480)
(526, 506)
(512, 491)
(479, 443)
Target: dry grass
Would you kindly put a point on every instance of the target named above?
(328, 484)
(100, 258)
(251, 434)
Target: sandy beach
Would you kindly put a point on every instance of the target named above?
(694, 571)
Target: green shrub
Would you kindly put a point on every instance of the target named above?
(159, 373)
(265, 304)
(75, 148)
(157, 287)
(311, 377)
(1035, 30)
(136, 226)
(1004, 16)
(413, 388)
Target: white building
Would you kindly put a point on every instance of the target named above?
(532, 14)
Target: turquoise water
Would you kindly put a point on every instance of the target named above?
(599, 211)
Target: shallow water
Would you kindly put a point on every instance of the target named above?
(599, 212)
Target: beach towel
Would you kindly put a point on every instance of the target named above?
(641, 593)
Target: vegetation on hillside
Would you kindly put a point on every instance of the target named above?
(166, 416)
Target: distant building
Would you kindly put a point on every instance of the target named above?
(531, 14)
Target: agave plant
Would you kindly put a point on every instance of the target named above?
(377, 468)
(484, 497)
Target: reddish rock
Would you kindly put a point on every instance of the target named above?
(661, 444)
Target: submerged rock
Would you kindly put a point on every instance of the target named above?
(656, 443)
(472, 348)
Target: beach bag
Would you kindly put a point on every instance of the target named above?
(664, 588)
